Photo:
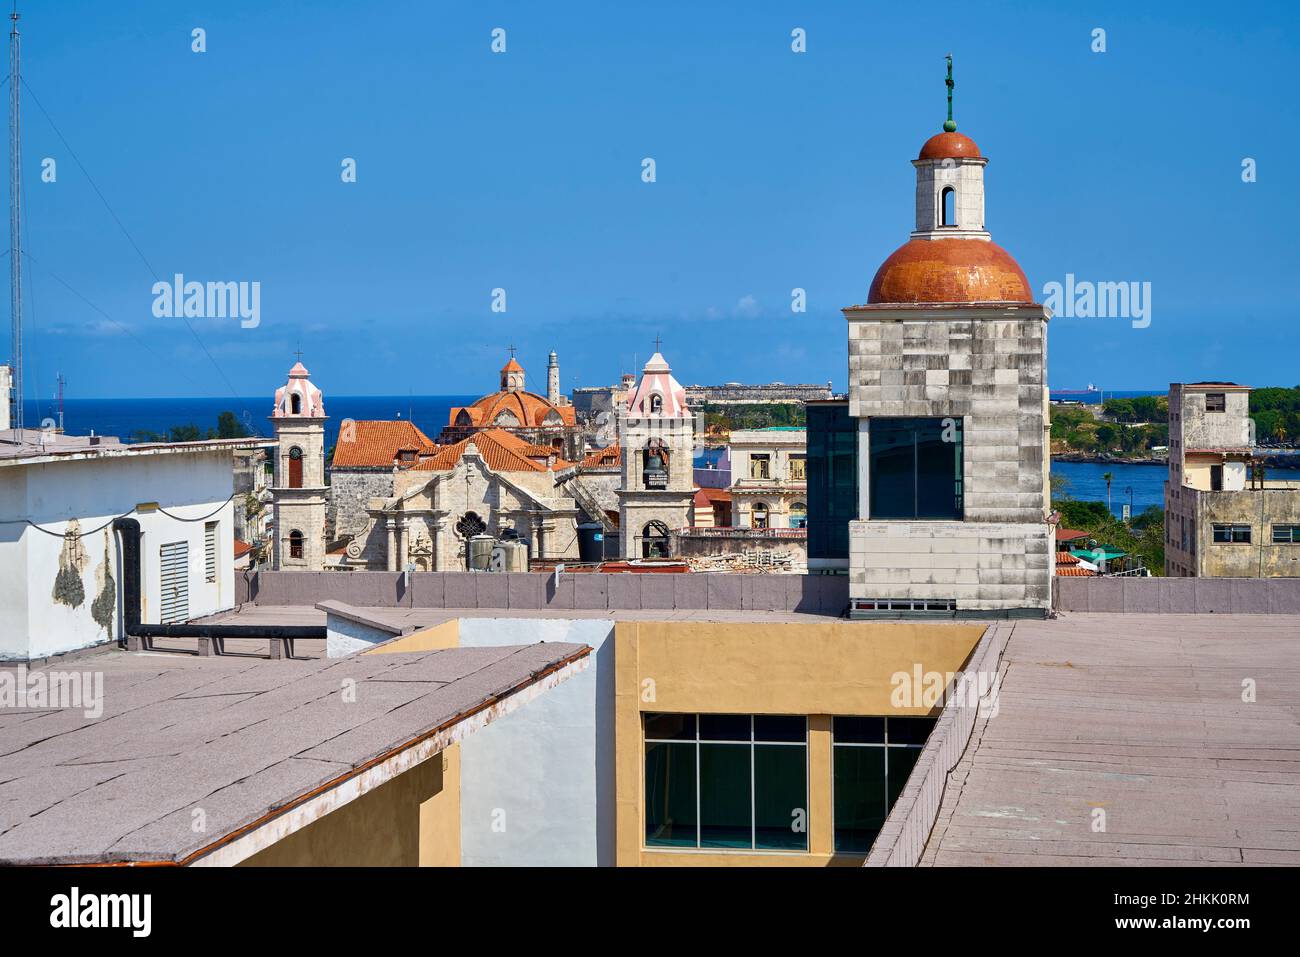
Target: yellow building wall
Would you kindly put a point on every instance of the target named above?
(818, 670)
(412, 820)
(433, 638)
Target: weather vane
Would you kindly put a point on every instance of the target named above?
(949, 126)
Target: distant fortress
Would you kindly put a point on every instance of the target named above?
(591, 401)
(736, 393)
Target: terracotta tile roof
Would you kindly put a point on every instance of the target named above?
(708, 496)
(603, 458)
(1075, 572)
(528, 409)
(1069, 534)
(242, 548)
(1066, 558)
(501, 450)
(376, 443)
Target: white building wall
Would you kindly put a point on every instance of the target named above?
(93, 492)
(544, 775)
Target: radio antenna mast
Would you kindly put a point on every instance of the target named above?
(15, 222)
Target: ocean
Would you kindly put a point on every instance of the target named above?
(125, 417)
(1098, 396)
(1143, 485)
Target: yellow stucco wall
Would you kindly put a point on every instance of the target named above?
(414, 819)
(433, 638)
(818, 670)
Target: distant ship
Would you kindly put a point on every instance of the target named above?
(1090, 394)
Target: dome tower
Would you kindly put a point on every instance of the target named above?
(947, 384)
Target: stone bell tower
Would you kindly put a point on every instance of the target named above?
(299, 493)
(657, 435)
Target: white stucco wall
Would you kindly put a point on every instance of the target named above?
(94, 491)
(544, 775)
(344, 637)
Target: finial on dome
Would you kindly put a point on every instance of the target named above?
(948, 125)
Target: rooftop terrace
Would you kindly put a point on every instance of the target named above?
(248, 742)
(1140, 717)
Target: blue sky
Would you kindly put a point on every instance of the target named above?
(522, 171)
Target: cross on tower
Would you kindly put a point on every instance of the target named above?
(512, 351)
(657, 340)
(298, 353)
(949, 126)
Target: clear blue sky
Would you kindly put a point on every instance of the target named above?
(522, 171)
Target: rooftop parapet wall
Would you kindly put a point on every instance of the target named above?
(813, 594)
(1203, 596)
(902, 839)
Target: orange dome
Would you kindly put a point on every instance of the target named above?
(950, 270)
(949, 146)
(520, 410)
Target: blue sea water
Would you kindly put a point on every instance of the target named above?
(126, 417)
(1143, 485)
(1096, 398)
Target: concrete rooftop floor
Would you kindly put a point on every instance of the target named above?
(1140, 716)
(239, 739)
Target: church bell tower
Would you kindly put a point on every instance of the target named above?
(299, 493)
(656, 431)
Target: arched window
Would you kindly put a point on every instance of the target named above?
(295, 544)
(948, 207)
(798, 515)
(295, 467)
(507, 420)
(758, 515)
(655, 541)
(656, 403)
(295, 404)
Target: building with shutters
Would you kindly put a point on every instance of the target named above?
(60, 577)
(1226, 515)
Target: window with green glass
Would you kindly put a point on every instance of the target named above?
(726, 781)
(915, 469)
(872, 758)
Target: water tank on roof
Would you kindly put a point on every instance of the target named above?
(480, 553)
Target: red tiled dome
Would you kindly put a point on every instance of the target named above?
(950, 270)
(949, 146)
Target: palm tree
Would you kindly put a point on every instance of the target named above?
(1108, 477)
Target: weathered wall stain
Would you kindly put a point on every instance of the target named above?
(102, 608)
(68, 588)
